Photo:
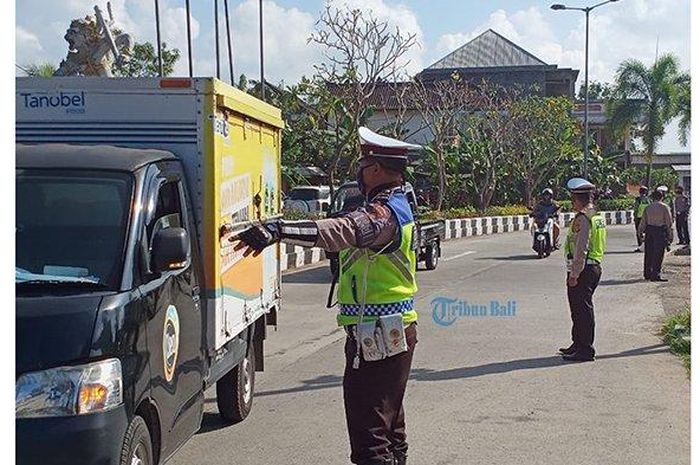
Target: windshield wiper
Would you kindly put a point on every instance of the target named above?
(60, 283)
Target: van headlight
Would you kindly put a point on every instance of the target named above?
(65, 391)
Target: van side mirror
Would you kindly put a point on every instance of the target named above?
(171, 250)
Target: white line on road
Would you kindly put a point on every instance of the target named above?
(459, 256)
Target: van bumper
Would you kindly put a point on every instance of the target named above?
(93, 439)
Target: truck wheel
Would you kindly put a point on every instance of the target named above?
(431, 256)
(137, 448)
(234, 392)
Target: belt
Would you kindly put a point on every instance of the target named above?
(351, 329)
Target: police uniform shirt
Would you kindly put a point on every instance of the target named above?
(682, 204)
(582, 231)
(336, 234)
(657, 214)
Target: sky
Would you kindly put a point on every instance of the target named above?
(618, 31)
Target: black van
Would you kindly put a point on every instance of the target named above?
(113, 356)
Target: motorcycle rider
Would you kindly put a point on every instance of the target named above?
(545, 208)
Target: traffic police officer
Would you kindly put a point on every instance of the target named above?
(657, 228)
(640, 204)
(584, 249)
(376, 287)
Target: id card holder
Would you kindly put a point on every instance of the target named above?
(393, 334)
(371, 342)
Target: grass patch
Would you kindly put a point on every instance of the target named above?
(676, 333)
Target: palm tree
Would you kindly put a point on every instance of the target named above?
(644, 98)
(683, 107)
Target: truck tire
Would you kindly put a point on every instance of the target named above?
(234, 392)
(431, 255)
(137, 448)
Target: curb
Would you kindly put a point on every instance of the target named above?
(294, 256)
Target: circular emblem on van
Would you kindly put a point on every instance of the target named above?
(171, 341)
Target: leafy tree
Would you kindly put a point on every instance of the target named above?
(485, 137)
(545, 139)
(659, 176)
(142, 61)
(359, 52)
(442, 105)
(39, 70)
(644, 100)
(596, 91)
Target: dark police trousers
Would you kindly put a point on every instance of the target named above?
(655, 242)
(682, 228)
(373, 396)
(581, 305)
(636, 230)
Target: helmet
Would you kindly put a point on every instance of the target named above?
(547, 191)
(643, 189)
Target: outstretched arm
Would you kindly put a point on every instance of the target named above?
(372, 226)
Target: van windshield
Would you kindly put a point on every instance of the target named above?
(71, 227)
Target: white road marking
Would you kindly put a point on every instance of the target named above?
(469, 252)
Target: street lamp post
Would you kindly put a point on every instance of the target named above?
(586, 10)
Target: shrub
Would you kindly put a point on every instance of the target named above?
(676, 333)
(507, 210)
(622, 203)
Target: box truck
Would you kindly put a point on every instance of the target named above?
(130, 301)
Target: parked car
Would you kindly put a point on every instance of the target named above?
(429, 234)
(308, 199)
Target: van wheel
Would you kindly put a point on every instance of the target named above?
(431, 256)
(234, 392)
(137, 448)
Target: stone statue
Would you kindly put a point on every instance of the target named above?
(93, 47)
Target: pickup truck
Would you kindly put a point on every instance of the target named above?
(429, 233)
(130, 300)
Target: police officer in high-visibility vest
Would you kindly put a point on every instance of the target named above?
(377, 282)
(640, 204)
(584, 249)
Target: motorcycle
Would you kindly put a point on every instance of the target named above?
(543, 235)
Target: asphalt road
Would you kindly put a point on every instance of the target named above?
(484, 389)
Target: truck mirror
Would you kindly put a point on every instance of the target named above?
(171, 250)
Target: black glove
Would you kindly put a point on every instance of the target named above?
(258, 236)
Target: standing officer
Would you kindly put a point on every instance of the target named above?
(377, 283)
(657, 228)
(682, 207)
(640, 204)
(584, 249)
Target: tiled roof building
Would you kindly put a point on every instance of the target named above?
(493, 57)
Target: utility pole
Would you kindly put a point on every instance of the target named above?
(262, 55)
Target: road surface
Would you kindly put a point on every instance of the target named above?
(484, 389)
